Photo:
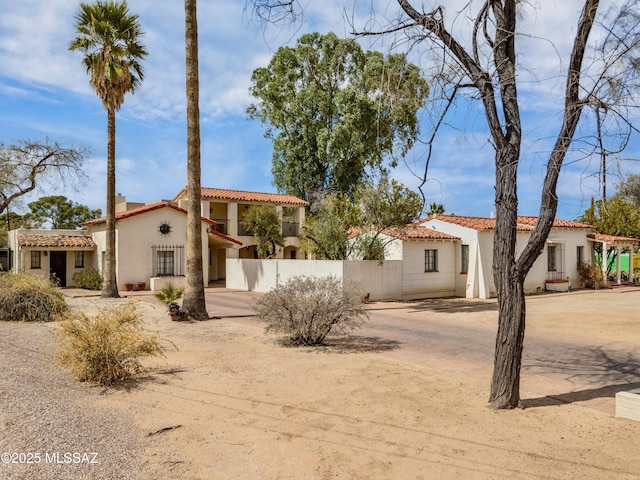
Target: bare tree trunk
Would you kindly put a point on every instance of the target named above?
(110, 285)
(193, 305)
(505, 383)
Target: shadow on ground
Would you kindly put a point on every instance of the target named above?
(618, 370)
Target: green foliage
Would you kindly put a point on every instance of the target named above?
(613, 216)
(169, 294)
(387, 204)
(334, 112)
(88, 279)
(435, 208)
(325, 231)
(374, 209)
(263, 221)
(105, 349)
(29, 298)
(61, 213)
(369, 246)
(108, 35)
(305, 310)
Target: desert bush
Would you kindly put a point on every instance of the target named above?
(306, 309)
(29, 298)
(591, 276)
(105, 349)
(88, 279)
(169, 294)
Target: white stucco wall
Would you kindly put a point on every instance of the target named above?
(416, 283)
(135, 237)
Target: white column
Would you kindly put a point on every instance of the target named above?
(605, 261)
(618, 272)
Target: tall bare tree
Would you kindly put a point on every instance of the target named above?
(27, 164)
(193, 303)
(487, 66)
(109, 36)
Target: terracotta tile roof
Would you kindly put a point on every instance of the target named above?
(409, 232)
(144, 209)
(415, 232)
(277, 198)
(525, 223)
(56, 241)
(600, 237)
(215, 233)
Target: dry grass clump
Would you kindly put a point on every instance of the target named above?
(307, 309)
(29, 298)
(591, 276)
(105, 349)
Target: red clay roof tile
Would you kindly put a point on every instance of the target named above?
(56, 241)
(525, 223)
(224, 194)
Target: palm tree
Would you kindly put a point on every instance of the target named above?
(109, 35)
(193, 302)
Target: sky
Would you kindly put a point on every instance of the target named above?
(45, 93)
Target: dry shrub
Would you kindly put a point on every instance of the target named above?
(105, 349)
(29, 298)
(591, 276)
(306, 309)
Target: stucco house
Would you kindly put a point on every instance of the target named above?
(427, 259)
(54, 254)
(228, 207)
(150, 247)
(569, 244)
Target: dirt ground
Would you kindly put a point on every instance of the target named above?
(242, 406)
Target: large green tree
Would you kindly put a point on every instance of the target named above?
(60, 212)
(335, 112)
(481, 58)
(109, 37)
(194, 302)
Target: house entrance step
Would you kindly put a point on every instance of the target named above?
(628, 405)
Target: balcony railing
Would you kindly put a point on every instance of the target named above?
(223, 225)
(290, 229)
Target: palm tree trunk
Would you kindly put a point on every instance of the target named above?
(110, 285)
(193, 304)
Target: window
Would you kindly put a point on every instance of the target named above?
(79, 259)
(35, 259)
(168, 260)
(580, 255)
(464, 260)
(165, 262)
(431, 260)
(551, 258)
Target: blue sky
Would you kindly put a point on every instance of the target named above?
(44, 92)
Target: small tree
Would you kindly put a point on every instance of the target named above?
(263, 221)
(60, 212)
(305, 310)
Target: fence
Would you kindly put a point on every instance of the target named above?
(382, 282)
